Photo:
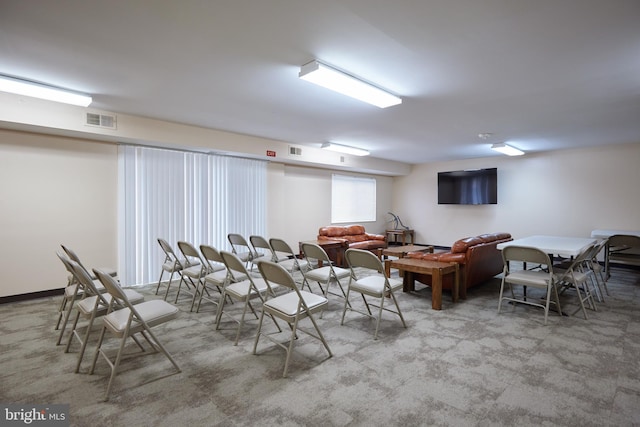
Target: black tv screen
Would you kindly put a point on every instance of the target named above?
(468, 187)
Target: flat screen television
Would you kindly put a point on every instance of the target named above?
(468, 187)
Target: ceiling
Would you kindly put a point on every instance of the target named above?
(541, 75)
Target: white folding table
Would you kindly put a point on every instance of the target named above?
(566, 247)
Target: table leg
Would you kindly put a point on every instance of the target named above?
(436, 289)
(387, 267)
(456, 284)
(408, 282)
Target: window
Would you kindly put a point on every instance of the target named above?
(353, 199)
(177, 195)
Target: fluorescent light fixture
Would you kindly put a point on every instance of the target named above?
(37, 90)
(338, 81)
(507, 149)
(345, 149)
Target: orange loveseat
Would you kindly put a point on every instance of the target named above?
(478, 257)
(353, 235)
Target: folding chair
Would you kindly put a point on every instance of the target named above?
(171, 264)
(285, 256)
(194, 274)
(218, 277)
(325, 274)
(541, 278)
(240, 290)
(369, 279)
(292, 307)
(577, 277)
(129, 321)
(72, 292)
(95, 304)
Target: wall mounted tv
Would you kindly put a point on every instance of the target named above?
(468, 187)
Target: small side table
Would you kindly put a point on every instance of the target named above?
(401, 232)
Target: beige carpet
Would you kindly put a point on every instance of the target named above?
(462, 366)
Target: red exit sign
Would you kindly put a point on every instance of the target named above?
(271, 153)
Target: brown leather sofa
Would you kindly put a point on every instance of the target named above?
(353, 235)
(478, 258)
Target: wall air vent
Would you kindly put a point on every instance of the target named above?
(106, 121)
(295, 151)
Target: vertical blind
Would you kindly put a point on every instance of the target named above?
(177, 195)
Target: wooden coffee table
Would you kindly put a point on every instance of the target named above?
(401, 251)
(437, 269)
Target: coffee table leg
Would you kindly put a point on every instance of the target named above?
(456, 284)
(408, 282)
(436, 289)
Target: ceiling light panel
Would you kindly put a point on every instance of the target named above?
(338, 81)
(37, 90)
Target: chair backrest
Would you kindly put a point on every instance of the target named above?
(259, 242)
(83, 277)
(168, 250)
(624, 240)
(112, 287)
(365, 259)
(235, 266)
(313, 251)
(189, 251)
(71, 254)
(525, 254)
(274, 273)
(67, 264)
(237, 240)
(211, 254)
(279, 245)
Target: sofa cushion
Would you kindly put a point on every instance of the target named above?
(332, 231)
(462, 245)
(352, 230)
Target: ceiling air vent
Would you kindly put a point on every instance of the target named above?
(295, 151)
(106, 121)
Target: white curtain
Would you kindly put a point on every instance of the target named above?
(177, 195)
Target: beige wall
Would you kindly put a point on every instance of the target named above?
(566, 193)
(54, 190)
(60, 190)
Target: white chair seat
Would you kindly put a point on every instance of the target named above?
(293, 264)
(194, 272)
(241, 289)
(322, 274)
(152, 312)
(86, 305)
(217, 277)
(287, 304)
(539, 279)
(171, 267)
(374, 285)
